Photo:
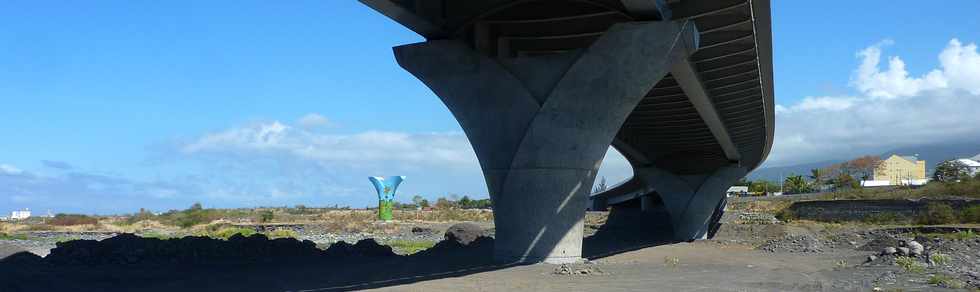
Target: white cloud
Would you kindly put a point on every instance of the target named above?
(314, 120)
(895, 110)
(961, 66)
(10, 169)
(276, 138)
(822, 103)
(959, 69)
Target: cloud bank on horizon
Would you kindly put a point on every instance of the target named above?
(892, 109)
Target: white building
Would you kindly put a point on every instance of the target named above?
(738, 191)
(18, 215)
(972, 165)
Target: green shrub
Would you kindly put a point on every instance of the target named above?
(5, 236)
(971, 214)
(72, 220)
(195, 215)
(946, 281)
(141, 216)
(910, 264)
(266, 216)
(937, 213)
(786, 215)
(939, 259)
(964, 235)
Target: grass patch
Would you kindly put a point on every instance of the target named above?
(404, 246)
(671, 262)
(910, 264)
(157, 235)
(943, 280)
(61, 239)
(967, 188)
(72, 220)
(228, 232)
(282, 233)
(39, 227)
(5, 236)
(939, 259)
(963, 235)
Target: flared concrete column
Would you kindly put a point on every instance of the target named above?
(541, 125)
(692, 200)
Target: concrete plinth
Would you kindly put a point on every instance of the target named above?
(541, 125)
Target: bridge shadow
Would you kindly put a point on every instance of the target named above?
(256, 263)
(628, 229)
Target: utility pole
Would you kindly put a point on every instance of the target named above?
(782, 180)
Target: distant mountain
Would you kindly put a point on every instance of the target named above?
(932, 154)
(776, 173)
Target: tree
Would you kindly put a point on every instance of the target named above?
(465, 202)
(601, 187)
(266, 216)
(796, 185)
(864, 167)
(417, 200)
(761, 186)
(443, 204)
(846, 181)
(424, 203)
(817, 177)
(195, 207)
(951, 171)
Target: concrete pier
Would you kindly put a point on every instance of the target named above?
(540, 125)
(682, 88)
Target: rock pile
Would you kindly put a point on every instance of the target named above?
(911, 249)
(464, 233)
(131, 249)
(570, 269)
(794, 244)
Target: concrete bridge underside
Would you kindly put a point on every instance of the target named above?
(542, 88)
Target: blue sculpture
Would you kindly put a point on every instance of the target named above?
(386, 187)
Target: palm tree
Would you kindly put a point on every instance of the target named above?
(796, 184)
(817, 177)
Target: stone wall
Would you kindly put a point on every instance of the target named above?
(852, 210)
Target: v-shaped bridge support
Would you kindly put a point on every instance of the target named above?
(540, 125)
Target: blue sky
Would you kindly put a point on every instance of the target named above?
(110, 106)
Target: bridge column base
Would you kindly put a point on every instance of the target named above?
(694, 202)
(540, 125)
